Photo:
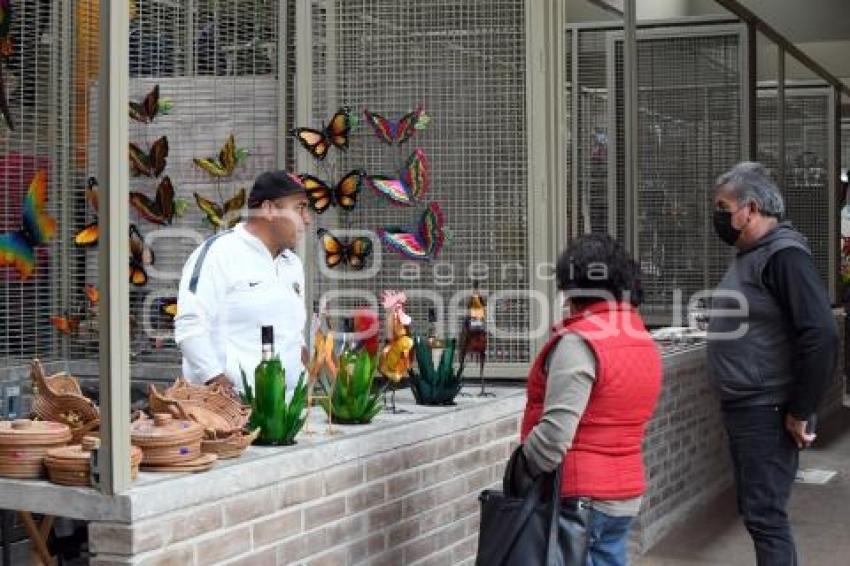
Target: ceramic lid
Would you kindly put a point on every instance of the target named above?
(27, 432)
(164, 430)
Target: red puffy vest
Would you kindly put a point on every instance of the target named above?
(605, 460)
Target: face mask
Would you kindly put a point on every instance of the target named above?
(723, 227)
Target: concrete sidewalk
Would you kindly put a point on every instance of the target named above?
(820, 515)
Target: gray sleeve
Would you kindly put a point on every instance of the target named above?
(571, 374)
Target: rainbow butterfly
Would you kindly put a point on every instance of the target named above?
(410, 187)
(37, 229)
(425, 243)
(395, 131)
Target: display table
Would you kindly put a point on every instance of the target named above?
(401, 489)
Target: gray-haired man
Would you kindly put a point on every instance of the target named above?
(772, 360)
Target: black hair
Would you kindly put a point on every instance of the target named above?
(595, 267)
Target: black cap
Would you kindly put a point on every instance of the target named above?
(273, 185)
(267, 334)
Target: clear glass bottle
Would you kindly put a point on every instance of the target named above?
(269, 385)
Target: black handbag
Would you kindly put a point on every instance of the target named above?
(537, 529)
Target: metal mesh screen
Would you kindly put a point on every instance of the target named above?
(806, 190)
(216, 67)
(596, 199)
(689, 115)
(31, 71)
(464, 62)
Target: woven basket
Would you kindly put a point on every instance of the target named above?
(231, 447)
(59, 399)
(165, 441)
(70, 465)
(24, 443)
(219, 413)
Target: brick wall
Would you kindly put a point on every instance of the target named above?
(416, 505)
(685, 450)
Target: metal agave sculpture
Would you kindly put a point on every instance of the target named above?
(437, 386)
(352, 398)
(289, 416)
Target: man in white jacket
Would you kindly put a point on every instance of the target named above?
(241, 280)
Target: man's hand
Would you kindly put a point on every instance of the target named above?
(797, 429)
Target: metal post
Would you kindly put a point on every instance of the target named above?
(282, 74)
(304, 112)
(547, 196)
(189, 55)
(630, 129)
(780, 116)
(834, 194)
(114, 315)
(750, 107)
(574, 132)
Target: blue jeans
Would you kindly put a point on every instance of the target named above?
(607, 537)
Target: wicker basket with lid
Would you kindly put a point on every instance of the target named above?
(24, 443)
(166, 441)
(70, 465)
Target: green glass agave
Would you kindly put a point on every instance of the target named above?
(353, 400)
(435, 386)
(279, 422)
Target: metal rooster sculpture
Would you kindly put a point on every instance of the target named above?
(6, 50)
(396, 357)
(473, 335)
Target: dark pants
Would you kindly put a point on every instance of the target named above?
(765, 460)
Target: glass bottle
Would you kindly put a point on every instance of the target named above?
(269, 383)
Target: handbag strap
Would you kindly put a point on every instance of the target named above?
(554, 512)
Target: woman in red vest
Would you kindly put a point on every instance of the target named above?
(591, 392)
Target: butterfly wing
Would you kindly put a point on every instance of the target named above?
(431, 229)
(39, 227)
(232, 206)
(358, 252)
(140, 255)
(92, 188)
(87, 236)
(158, 153)
(393, 190)
(339, 127)
(16, 252)
(92, 294)
(65, 324)
(383, 128)
(415, 177)
(333, 248)
(139, 162)
(150, 104)
(165, 199)
(407, 125)
(227, 155)
(345, 193)
(318, 193)
(213, 211)
(408, 244)
(168, 307)
(313, 141)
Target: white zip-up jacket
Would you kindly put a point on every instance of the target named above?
(231, 286)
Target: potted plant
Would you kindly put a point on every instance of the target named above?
(351, 399)
(433, 386)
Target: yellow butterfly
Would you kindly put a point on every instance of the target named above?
(228, 158)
